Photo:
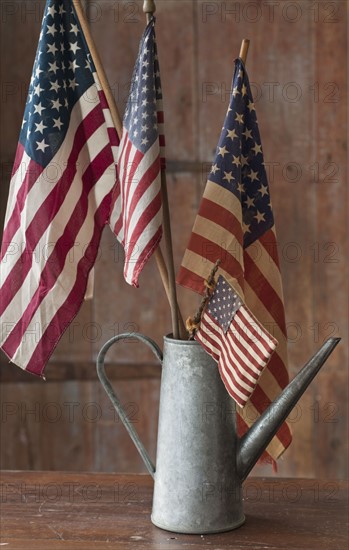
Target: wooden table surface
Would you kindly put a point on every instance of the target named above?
(55, 510)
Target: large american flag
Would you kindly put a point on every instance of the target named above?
(136, 217)
(231, 334)
(60, 193)
(235, 224)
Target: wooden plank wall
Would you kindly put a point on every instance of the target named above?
(297, 64)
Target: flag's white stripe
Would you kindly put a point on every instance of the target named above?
(229, 360)
(108, 118)
(235, 360)
(261, 312)
(241, 356)
(241, 362)
(125, 164)
(64, 284)
(114, 217)
(265, 263)
(36, 197)
(115, 151)
(235, 368)
(244, 335)
(143, 202)
(132, 266)
(238, 355)
(147, 161)
(262, 332)
(52, 233)
(204, 333)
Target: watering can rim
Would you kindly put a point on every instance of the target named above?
(169, 339)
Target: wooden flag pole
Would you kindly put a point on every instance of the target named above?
(118, 125)
(244, 49)
(99, 66)
(177, 321)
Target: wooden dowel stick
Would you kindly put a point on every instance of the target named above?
(164, 276)
(244, 49)
(99, 67)
(169, 256)
(118, 126)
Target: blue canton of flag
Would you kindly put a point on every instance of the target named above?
(239, 163)
(61, 75)
(136, 217)
(60, 193)
(143, 118)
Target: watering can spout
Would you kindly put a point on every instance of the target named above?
(255, 441)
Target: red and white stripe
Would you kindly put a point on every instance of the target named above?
(55, 216)
(136, 217)
(241, 353)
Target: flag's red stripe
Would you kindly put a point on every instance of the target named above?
(33, 172)
(113, 137)
(125, 151)
(143, 257)
(233, 372)
(160, 117)
(229, 389)
(265, 292)
(278, 369)
(148, 214)
(129, 169)
(252, 343)
(191, 280)
(229, 362)
(212, 251)
(205, 332)
(268, 241)
(66, 313)
(103, 100)
(245, 353)
(235, 359)
(146, 181)
(224, 363)
(55, 263)
(49, 208)
(223, 217)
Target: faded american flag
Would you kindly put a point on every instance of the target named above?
(136, 217)
(231, 334)
(235, 224)
(60, 193)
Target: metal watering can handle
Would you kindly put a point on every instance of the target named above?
(112, 395)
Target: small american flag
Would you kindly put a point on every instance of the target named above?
(136, 217)
(235, 224)
(231, 334)
(60, 193)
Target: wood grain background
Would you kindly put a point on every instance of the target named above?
(297, 67)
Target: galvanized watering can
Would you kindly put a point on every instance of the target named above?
(201, 463)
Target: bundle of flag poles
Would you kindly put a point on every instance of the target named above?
(78, 167)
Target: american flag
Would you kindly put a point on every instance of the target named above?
(136, 217)
(231, 334)
(235, 224)
(60, 193)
